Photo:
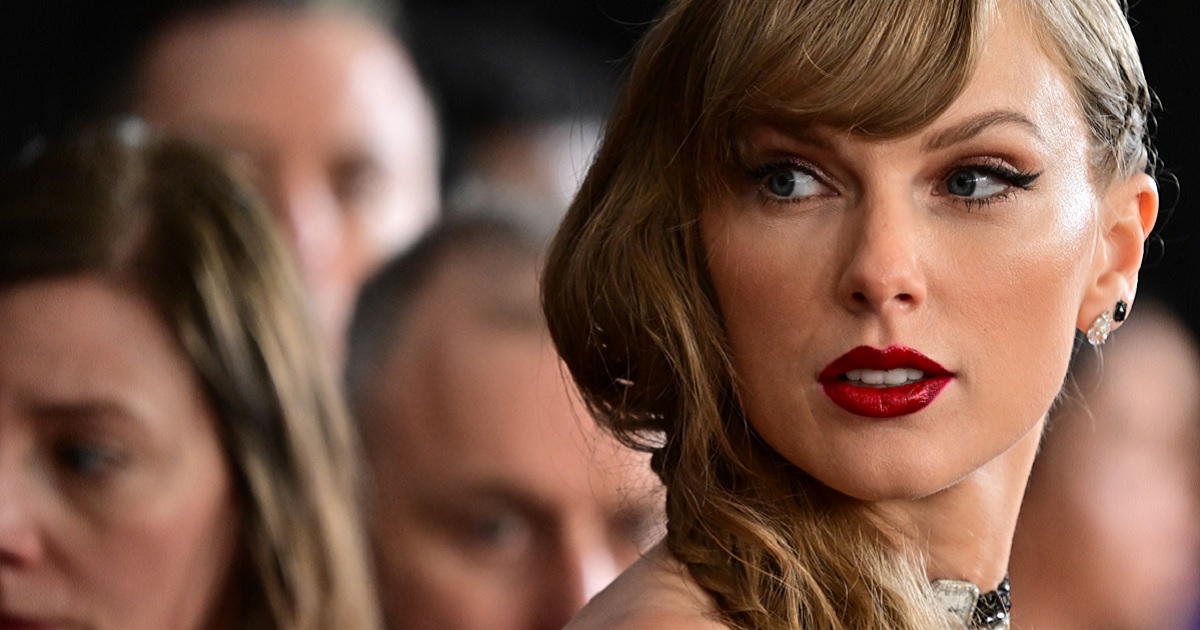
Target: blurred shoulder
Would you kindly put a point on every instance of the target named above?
(656, 592)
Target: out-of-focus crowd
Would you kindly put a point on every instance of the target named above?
(272, 353)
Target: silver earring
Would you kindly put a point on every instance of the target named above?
(1101, 328)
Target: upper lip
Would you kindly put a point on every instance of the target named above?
(890, 358)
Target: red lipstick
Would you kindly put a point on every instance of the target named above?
(882, 400)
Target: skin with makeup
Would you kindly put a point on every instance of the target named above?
(892, 304)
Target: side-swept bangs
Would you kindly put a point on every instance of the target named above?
(882, 68)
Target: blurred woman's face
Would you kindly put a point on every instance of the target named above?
(116, 503)
(901, 311)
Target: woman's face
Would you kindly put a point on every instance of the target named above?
(116, 504)
(954, 260)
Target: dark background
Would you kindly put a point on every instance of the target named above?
(64, 60)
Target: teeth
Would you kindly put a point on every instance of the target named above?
(885, 378)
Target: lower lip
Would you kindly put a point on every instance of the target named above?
(885, 402)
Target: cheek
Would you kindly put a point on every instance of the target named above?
(397, 216)
(177, 540)
(768, 281)
(1022, 293)
(425, 581)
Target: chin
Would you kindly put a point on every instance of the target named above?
(906, 481)
(887, 492)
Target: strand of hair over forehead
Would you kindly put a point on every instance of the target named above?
(878, 67)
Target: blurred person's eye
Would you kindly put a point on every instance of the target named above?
(87, 459)
(354, 180)
(497, 529)
(493, 534)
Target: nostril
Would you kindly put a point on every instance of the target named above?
(861, 298)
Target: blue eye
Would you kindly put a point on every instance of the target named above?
(87, 460)
(974, 184)
(792, 183)
(985, 183)
(788, 180)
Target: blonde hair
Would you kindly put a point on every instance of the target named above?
(165, 218)
(633, 313)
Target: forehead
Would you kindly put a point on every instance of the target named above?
(1015, 71)
(485, 403)
(279, 73)
(119, 356)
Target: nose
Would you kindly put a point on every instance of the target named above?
(581, 569)
(310, 214)
(20, 543)
(883, 271)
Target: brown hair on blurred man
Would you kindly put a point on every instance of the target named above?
(498, 503)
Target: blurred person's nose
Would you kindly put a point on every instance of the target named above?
(308, 208)
(584, 564)
(20, 543)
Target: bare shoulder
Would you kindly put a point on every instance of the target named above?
(656, 592)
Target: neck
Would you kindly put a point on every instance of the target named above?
(965, 531)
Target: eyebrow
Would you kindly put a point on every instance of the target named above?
(978, 124)
(129, 416)
(491, 493)
(75, 411)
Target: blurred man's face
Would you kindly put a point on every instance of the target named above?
(328, 117)
(498, 503)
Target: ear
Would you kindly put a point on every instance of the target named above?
(1128, 212)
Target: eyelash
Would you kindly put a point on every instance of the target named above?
(1022, 180)
(760, 173)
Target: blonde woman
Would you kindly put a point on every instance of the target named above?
(173, 453)
(828, 267)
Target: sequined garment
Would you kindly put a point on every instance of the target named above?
(977, 611)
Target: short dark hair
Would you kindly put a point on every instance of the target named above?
(385, 303)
